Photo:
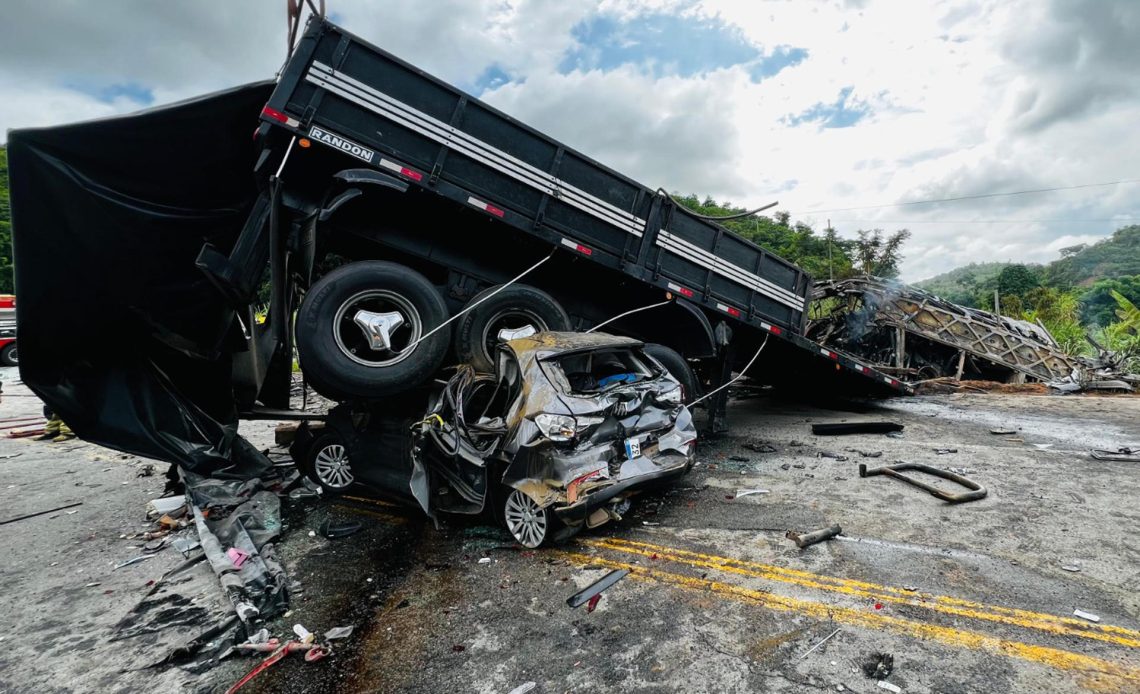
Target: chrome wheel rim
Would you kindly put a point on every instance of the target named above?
(332, 467)
(353, 340)
(525, 519)
(511, 320)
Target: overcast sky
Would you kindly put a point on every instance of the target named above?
(820, 105)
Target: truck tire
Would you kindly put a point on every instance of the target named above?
(342, 359)
(513, 308)
(8, 355)
(677, 367)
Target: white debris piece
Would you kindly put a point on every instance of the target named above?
(523, 688)
(883, 684)
(1086, 615)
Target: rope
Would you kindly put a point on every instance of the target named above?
(476, 304)
(623, 315)
(738, 376)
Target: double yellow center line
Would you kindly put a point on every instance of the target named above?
(1096, 673)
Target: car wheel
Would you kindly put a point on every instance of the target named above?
(327, 464)
(8, 355)
(527, 522)
(358, 327)
(516, 311)
(677, 367)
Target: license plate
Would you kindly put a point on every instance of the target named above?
(632, 448)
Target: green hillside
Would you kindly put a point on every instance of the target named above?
(961, 285)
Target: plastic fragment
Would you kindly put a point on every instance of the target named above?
(484, 560)
(237, 556)
(883, 684)
(302, 633)
(745, 492)
(1071, 567)
(523, 688)
(338, 633)
(593, 603)
(1086, 615)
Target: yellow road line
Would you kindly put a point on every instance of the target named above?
(1064, 626)
(1095, 673)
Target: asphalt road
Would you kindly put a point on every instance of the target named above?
(966, 598)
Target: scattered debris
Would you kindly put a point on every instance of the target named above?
(593, 603)
(760, 447)
(879, 666)
(829, 454)
(145, 470)
(42, 513)
(277, 651)
(184, 545)
(338, 530)
(746, 492)
(976, 492)
(1003, 432)
(807, 539)
(944, 451)
(523, 688)
(865, 454)
(845, 428)
(825, 639)
(237, 556)
(739, 459)
(883, 684)
(1071, 567)
(164, 506)
(1086, 615)
(338, 633)
(595, 589)
(1124, 455)
(133, 560)
(484, 560)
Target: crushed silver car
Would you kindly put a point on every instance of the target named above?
(569, 427)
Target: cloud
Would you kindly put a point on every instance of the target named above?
(821, 105)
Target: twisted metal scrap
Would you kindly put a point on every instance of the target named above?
(1014, 344)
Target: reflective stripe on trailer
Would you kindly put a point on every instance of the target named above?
(400, 169)
(570, 243)
(683, 291)
(485, 206)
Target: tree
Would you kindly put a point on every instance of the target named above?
(1098, 307)
(1017, 280)
(879, 255)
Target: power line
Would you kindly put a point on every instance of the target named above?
(971, 197)
(984, 221)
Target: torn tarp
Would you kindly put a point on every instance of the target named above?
(120, 333)
(241, 515)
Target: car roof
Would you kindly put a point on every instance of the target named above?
(552, 344)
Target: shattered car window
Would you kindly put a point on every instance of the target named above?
(596, 371)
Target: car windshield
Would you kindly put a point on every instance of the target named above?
(599, 370)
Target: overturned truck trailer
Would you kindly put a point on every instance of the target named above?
(371, 203)
(916, 336)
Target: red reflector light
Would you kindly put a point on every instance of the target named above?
(417, 176)
(584, 250)
(494, 210)
(833, 355)
(274, 114)
(776, 330)
(734, 312)
(686, 292)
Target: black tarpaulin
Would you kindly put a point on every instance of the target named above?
(120, 333)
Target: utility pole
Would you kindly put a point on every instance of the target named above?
(830, 231)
